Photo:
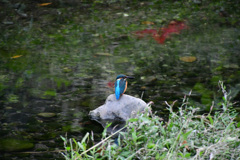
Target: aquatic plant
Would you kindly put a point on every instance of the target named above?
(186, 135)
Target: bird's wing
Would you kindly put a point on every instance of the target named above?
(120, 85)
(117, 89)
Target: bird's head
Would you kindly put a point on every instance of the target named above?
(120, 76)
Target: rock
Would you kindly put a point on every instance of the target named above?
(41, 147)
(124, 108)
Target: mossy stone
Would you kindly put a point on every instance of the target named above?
(46, 114)
(12, 145)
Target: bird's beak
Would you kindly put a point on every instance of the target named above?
(130, 77)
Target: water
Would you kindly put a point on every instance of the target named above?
(59, 63)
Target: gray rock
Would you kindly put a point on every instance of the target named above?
(41, 147)
(124, 108)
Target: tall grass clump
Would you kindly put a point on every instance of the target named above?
(186, 135)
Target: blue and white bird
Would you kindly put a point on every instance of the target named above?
(121, 85)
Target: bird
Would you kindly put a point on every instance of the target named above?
(121, 85)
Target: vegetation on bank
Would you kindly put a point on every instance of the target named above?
(186, 135)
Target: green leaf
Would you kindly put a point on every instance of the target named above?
(64, 139)
(108, 125)
(141, 142)
(162, 129)
(170, 126)
(187, 155)
(133, 120)
(210, 119)
(150, 145)
(224, 98)
(104, 133)
(126, 153)
(185, 135)
(238, 124)
(49, 93)
(68, 148)
(229, 126)
(85, 137)
(134, 136)
(74, 141)
(157, 156)
(145, 119)
(181, 155)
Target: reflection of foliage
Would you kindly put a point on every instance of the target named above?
(14, 144)
(206, 95)
(61, 82)
(11, 98)
(3, 80)
(20, 82)
(70, 50)
(49, 94)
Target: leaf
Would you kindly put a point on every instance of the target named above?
(68, 148)
(85, 137)
(147, 23)
(133, 120)
(44, 4)
(170, 125)
(63, 138)
(188, 59)
(187, 155)
(181, 154)
(122, 60)
(74, 141)
(185, 135)
(230, 125)
(210, 119)
(103, 54)
(238, 125)
(46, 114)
(125, 153)
(50, 93)
(162, 130)
(134, 136)
(150, 145)
(104, 133)
(17, 56)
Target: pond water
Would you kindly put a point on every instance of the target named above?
(59, 60)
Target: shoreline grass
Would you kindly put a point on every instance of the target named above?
(186, 135)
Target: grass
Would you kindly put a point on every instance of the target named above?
(186, 135)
